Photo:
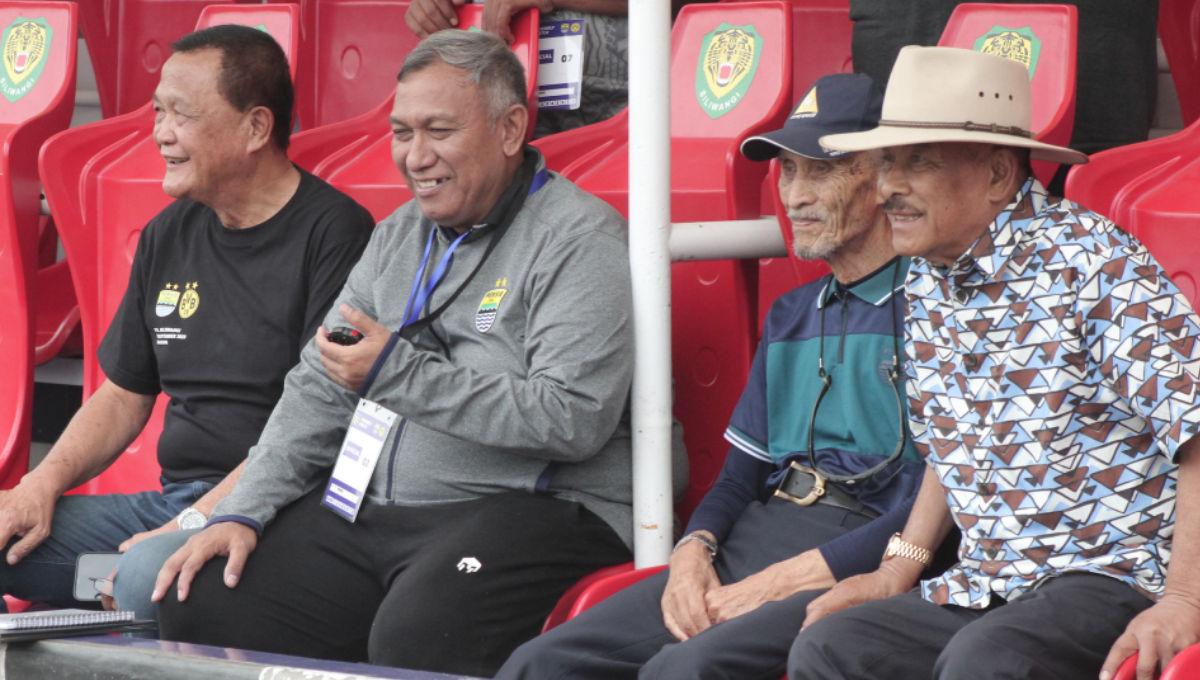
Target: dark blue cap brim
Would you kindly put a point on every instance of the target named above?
(800, 140)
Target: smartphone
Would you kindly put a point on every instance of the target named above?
(92, 572)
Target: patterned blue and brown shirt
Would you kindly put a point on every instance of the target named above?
(1052, 375)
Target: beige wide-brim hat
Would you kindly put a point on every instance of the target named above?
(947, 94)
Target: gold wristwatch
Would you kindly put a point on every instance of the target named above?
(898, 547)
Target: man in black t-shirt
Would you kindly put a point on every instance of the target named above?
(227, 285)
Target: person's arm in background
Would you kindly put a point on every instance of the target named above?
(498, 14)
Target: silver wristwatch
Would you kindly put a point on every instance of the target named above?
(191, 518)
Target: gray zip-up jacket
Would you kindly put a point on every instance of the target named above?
(533, 365)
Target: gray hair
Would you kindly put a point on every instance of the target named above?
(488, 61)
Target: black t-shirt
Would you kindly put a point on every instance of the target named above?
(216, 317)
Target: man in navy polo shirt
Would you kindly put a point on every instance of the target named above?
(821, 472)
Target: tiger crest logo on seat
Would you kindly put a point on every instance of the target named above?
(728, 61)
(23, 48)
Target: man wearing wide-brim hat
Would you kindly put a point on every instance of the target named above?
(1052, 371)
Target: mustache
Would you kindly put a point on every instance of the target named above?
(897, 204)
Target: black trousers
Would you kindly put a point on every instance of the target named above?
(451, 588)
(1061, 630)
(624, 636)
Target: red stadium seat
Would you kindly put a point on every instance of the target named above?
(350, 52)
(111, 186)
(1043, 37)
(39, 98)
(363, 146)
(1113, 179)
(1166, 218)
(128, 41)
(712, 303)
(1185, 666)
(1179, 29)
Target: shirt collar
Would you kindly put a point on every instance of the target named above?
(875, 288)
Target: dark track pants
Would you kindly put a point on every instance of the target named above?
(451, 588)
(624, 636)
(1061, 630)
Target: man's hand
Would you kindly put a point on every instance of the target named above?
(806, 571)
(498, 14)
(230, 539)
(348, 365)
(171, 525)
(886, 581)
(430, 16)
(690, 577)
(1157, 635)
(25, 511)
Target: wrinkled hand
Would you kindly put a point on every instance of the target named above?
(230, 539)
(25, 511)
(806, 571)
(171, 525)
(690, 577)
(348, 365)
(430, 16)
(1156, 635)
(498, 14)
(876, 585)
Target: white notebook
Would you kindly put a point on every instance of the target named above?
(62, 618)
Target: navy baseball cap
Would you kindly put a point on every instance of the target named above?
(843, 102)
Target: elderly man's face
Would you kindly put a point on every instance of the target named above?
(934, 197)
(201, 136)
(832, 203)
(452, 155)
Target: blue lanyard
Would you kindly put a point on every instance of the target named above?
(418, 295)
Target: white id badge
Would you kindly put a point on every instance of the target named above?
(360, 452)
(560, 64)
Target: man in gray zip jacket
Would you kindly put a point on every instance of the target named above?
(498, 414)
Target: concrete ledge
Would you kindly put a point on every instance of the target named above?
(116, 657)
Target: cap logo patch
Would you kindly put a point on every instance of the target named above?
(728, 61)
(808, 106)
(1017, 44)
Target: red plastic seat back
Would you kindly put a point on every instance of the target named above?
(1114, 179)
(1166, 218)
(128, 194)
(37, 96)
(350, 52)
(730, 77)
(128, 41)
(1043, 37)
(1179, 29)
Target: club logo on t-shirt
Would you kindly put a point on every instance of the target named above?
(190, 301)
(489, 306)
(168, 299)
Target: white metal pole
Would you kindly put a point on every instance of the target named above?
(650, 262)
